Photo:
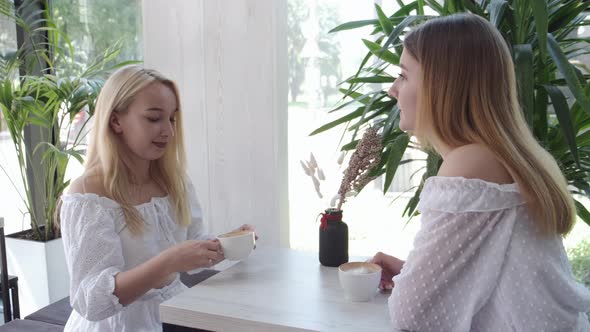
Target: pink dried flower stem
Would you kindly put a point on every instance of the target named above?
(366, 157)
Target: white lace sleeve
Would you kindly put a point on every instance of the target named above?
(456, 261)
(197, 230)
(93, 255)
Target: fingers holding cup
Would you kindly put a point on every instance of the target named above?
(237, 245)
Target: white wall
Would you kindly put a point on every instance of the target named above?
(229, 60)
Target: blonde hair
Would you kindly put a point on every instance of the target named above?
(469, 95)
(106, 157)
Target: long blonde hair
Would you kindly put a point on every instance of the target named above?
(469, 95)
(106, 156)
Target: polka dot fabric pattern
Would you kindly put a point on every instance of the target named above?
(478, 264)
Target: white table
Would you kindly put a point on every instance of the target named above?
(275, 290)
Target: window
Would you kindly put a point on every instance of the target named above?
(318, 61)
(8, 48)
(94, 27)
(10, 209)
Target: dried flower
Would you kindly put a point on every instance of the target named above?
(316, 184)
(312, 162)
(341, 158)
(334, 200)
(321, 175)
(310, 168)
(306, 169)
(366, 157)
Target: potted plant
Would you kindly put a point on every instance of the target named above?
(553, 89)
(36, 99)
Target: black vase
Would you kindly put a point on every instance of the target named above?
(333, 239)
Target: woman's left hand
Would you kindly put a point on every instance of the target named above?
(247, 227)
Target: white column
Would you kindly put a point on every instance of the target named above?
(229, 59)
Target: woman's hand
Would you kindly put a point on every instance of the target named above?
(391, 266)
(247, 227)
(193, 254)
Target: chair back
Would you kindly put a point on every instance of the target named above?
(4, 277)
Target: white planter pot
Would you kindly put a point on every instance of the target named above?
(41, 270)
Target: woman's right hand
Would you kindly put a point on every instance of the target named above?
(391, 266)
(193, 254)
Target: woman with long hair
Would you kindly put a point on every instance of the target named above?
(132, 221)
(489, 254)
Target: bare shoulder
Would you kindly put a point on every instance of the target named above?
(87, 184)
(475, 161)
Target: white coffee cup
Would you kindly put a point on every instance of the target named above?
(359, 280)
(237, 245)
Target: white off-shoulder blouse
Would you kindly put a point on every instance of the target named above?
(478, 264)
(98, 245)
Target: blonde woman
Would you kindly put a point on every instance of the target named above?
(132, 220)
(489, 255)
